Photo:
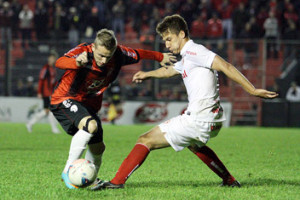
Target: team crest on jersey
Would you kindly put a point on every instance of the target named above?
(67, 103)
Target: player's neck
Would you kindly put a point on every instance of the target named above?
(184, 41)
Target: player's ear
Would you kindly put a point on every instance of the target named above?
(181, 34)
(93, 47)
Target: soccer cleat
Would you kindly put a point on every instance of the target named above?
(233, 184)
(107, 185)
(97, 181)
(56, 131)
(65, 178)
(29, 128)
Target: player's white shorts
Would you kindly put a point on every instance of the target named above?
(183, 130)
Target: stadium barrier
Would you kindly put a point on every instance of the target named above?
(280, 113)
(20, 109)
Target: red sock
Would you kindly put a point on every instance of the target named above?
(135, 159)
(209, 157)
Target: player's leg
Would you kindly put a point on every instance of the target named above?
(209, 157)
(153, 139)
(86, 127)
(34, 119)
(96, 146)
(53, 123)
(78, 122)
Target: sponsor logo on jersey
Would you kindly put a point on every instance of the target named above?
(184, 74)
(191, 53)
(74, 108)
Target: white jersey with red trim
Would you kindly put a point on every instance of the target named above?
(201, 82)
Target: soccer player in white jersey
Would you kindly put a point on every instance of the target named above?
(204, 116)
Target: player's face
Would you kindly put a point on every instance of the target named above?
(102, 55)
(173, 42)
(51, 60)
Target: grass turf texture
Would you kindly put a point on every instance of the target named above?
(265, 161)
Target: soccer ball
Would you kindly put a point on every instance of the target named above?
(82, 173)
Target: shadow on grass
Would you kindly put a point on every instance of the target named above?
(249, 183)
(269, 182)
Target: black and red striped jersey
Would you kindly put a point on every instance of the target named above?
(47, 80)
(87, 84)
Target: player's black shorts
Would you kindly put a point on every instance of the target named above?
(46, 102)
(70, 112)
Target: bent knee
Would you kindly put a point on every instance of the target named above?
(88, 124)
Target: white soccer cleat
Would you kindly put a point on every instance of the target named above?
(29, 128)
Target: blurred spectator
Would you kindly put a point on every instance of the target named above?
(59, 22)
(73, 32)
(16, 7)
(290, 33)
(214, 29)
(41, 21)
(118, 23)
(225, 10)
(198, 28)
(293, 93)
(187, 11)
(103, 14)
(261, 17)
(93, 24)
(239, 17)
(20, 89)
(114, 99)
(85, 9)
(6, 15)
(154, 20)
(250, 33)
(26, 18)
(29, 89)
(137, 11)
(271, 35)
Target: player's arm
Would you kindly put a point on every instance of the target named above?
(132, 56)
(163, 72)
(230, 71)
(163, 58)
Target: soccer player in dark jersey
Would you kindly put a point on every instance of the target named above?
(47, 81)
(90, 68)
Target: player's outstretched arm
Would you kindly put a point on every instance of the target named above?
(221, 65)
(163, 72)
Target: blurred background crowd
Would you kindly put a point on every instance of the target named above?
(207, 19)
(260, 37)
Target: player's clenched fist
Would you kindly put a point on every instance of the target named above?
(82, 59)
(139, 77)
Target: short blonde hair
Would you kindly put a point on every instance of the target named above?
(106, 38)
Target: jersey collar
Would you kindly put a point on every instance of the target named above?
(187, 45)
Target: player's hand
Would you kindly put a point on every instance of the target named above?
(139, 77)
(168, 59)
(39, 96)
(265, 94)
(82, 59)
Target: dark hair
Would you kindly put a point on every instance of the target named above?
(174, 24)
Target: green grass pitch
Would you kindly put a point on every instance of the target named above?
(265, 160)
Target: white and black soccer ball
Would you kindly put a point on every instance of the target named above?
(82, 173)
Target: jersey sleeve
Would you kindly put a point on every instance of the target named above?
(178, 66)
(132, 56)
(68, 60)
(203, 57)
